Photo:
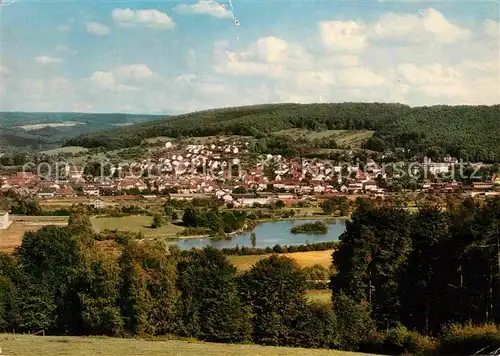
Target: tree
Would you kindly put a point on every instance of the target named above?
(353, 321)
(10, 278)
(253, 239)
(191, 218)
(209, 305)
(168, 211)
(157, 221)
(148, 294)
(274, 289)
(280, 204)
(372, 253)
(80, 224)
(49, 258)
(98, 287)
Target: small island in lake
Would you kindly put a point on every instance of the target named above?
(316, 228)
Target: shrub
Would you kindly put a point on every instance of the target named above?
(469, 339)
(397, 341)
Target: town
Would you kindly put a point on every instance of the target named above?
(227, 171)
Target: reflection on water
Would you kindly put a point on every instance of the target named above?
(270, 234)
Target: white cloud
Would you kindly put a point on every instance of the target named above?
(407, 58)
(47, 60)
(492, 28)
(104, 79)
(315, 79)
(342, 61)
(276, 50)
(148, 18)
(343, 35)
(205, 7)
(126, 78)
(428, 25)
(134, 71)
(270, 56)
(97, 29)
(435, 81)
(108, 81)
(359, 77)
(435, 73)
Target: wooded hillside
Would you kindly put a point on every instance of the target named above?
(467, 131)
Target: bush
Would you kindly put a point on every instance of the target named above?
(468, 339)
(397, 341)
(316, 276)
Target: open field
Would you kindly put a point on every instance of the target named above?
(311, 135)
(138, 223)
(304, 259)
(323, 296)
(13, 236)
(159, 139)
(69, 149)
(348, 138)
(25, 345)
(353, 138)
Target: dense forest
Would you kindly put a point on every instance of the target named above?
(467, 131)
(404, 284)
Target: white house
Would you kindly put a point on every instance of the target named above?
(97, 204)
(4, 220)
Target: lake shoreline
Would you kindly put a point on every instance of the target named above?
(270, 232)
(263, 221)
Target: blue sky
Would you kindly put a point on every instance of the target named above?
(172, 57)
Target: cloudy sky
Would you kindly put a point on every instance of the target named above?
(172, 57)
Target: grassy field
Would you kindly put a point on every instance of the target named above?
(304, 259)
(353, 138)
(13, 236)
(24, 345)
(323, 296)
(311, 135)
(69, 149)
(344, 138)
(159, 139)
(139, 223)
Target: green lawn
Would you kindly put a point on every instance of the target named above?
(139, 223)
(25, 345)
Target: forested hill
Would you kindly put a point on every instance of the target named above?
(469, 131)
(34, 129)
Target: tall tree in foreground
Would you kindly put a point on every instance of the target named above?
(209, 305)
(274, 289)
(149, 293)
(49, 258)
(372, 253)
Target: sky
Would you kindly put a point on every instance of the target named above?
(169, 57)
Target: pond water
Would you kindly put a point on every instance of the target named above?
(270, 234)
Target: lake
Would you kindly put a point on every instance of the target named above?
(270, 234)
